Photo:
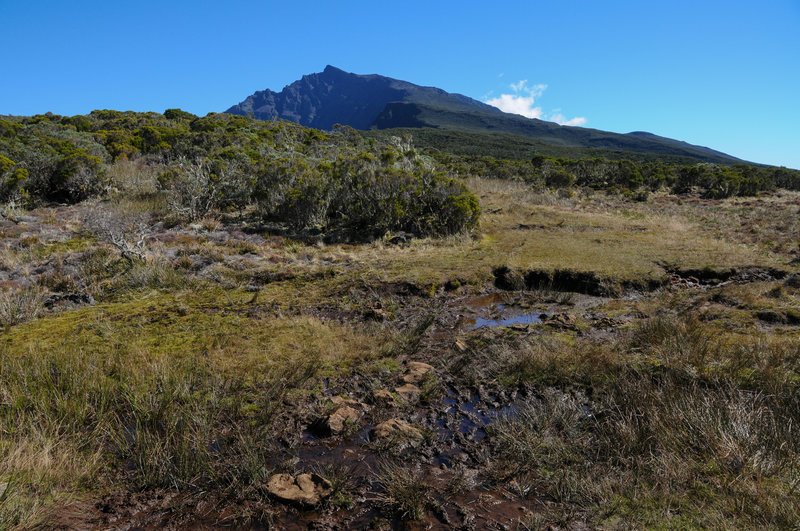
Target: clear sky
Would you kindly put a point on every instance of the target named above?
(723, 74)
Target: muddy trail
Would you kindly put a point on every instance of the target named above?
(423, 431)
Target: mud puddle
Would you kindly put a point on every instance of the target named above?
(498, 310)
(524, 319)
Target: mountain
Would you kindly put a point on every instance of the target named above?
(334, 96)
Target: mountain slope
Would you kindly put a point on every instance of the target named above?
(334, 96)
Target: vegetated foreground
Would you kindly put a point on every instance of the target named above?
(579, 359)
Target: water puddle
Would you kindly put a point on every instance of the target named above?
(467, 416)
(497, 310)
(524, 319)
(484, 301)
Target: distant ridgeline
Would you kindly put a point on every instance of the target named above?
(334, 96)
(361, 184)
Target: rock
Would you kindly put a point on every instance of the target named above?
(397, 428)
(563, 320)
(336, 422)
(416, 371)
(71, 300)
(305, 489)
(382, 396)
(345, 401)
(461, 346)
(408, 392)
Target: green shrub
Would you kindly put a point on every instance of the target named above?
(12, 179)
(178, 114)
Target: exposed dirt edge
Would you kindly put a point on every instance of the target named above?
(592, 283)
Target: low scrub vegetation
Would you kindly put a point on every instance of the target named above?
(634, 179)
(307, 180)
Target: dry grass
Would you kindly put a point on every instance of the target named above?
(527, 230)
(18, 306)
(405, 492)
(134, 178)
(677, 422)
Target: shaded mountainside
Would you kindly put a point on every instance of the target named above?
(376, 102)
(338, 97)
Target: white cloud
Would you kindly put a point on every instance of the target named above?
(516, 105)
(518, 86)
(523, 101)
(561, 120)
(522, 87)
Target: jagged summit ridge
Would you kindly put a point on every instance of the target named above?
(334, 96)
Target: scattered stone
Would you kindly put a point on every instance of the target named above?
(382, 396)
(305, 489)
(398, 428)
(606, 322)
(408, 392)
(416, 372)
(336, 422)
(345, 401)
(562, 320)
(461, 346)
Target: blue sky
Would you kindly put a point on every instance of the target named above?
(721, 74)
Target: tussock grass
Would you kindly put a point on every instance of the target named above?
(405, 493)
(675, 422)
(18, 306)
